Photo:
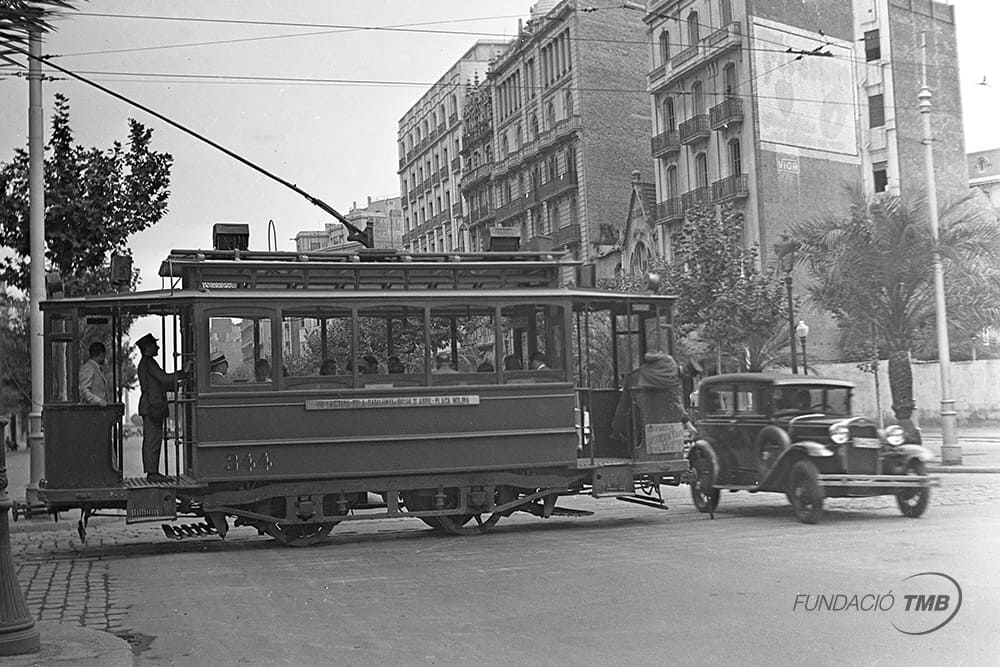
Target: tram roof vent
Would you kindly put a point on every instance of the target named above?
(230, 236)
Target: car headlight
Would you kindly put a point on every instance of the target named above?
(894, 435)
(840, 432)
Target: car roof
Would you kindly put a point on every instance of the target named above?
(775, 379)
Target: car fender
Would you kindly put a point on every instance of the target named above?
(704, 449)
(903, 454)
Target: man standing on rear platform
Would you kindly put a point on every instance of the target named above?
(154, 385)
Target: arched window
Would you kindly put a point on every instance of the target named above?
(550, 116)
(569, 104)
(672, 192)
(698, 98)
(694, 34)
(669, 116)
(701, 170)
(640, 259)
(475, 159)
(664, 47)
(533, 127)
(729, 80)
(518, 137)
(434, 119)
(735, 158)
(726, 11)
(504, 145)
(454, 104)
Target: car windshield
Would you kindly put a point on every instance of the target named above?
(810, 399)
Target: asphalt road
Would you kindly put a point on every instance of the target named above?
(629, 586)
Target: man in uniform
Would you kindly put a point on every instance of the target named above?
(154, 385)
(220, 369)
(94, 386)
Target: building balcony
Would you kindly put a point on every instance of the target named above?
(402, 162)
(557, 185)
(476, 174)
(481, 215)
(453, 119)
(456, 164)
(413, 196)
(695, 197)
(695, 129)
(665, 144)
(514, 207)
(669, 210)
(726, 112)
(713, 46)
(732, 187)
(436, 177)
(444, 174)
(568, 235)
(456, 210)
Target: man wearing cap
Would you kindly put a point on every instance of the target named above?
(154, 385)
(220, 369)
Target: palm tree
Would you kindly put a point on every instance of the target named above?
(873, 270)
(18, 18)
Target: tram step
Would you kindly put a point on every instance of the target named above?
(188, 530)
(538, 510)
(648, 501)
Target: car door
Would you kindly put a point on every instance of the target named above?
(716, 425)
(749, 417)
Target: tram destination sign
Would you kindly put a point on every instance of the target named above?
(392, 402)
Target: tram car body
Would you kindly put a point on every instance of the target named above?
(455, 388)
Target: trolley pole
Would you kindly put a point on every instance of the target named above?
(18, 633)
(951, 451)
(36, 226)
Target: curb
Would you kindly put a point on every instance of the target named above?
(69, 644)
(978, 470)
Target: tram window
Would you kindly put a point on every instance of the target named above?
(242, 341)
(316, 343)
(592, 340)
(462, 338)
(391, 346)
(61, 372)
(657, 331)
(533, 342)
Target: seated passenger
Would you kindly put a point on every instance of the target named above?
(329, 367)
(262, 370)
(485, 366)
(370, 366)
(537, 361)
(442, 364)
(220, 369)
(512, 363)
(395, 366)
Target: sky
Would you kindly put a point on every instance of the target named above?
(337, 141)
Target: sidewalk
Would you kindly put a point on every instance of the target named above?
(980, 449)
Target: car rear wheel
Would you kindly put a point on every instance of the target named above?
(805, 493)
(913, 501)
(703, 493)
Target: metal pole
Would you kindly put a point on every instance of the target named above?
(805, 365)
(18, 633)
(36, 228)
(951, 451)
(791, 322)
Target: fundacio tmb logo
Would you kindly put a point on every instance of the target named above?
(925, 602)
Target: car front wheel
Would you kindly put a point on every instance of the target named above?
(703, 492)
(805, 493)
(913, 501)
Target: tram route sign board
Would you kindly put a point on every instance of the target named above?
(664, 438)
(392, 402)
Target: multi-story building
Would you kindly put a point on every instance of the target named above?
(430, 144)
(984, 174)
(568, 125)
(774, 107)
(384, 215)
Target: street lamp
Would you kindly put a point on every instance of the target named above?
(802, 331)
(784, 250)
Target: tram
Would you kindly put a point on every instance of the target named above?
(452, 388)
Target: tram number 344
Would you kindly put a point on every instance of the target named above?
(248, 462)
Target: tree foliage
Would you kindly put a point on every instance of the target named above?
(94, 201)
(873, 270)
(18, 18)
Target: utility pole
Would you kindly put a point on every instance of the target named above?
(951, 451)
(36, 230)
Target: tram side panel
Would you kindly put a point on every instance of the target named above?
(304, 435)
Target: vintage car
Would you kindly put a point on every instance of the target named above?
(796, 434)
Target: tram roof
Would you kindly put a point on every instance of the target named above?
(167, 301)
(365, 269)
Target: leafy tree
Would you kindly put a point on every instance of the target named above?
(15, 371)
(872, 269)
(95, 200)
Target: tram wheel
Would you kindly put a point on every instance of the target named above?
(298, 535)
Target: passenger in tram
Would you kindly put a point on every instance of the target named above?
(220, 370)
(329, 367)
(395, 366)
(658, 371)
(512, 363)
(537, 361)
(370, 365)
(262, 371)
(94, 386)
(154, 385)
(485, 366)
(442, 364)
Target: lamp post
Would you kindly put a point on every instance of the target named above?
(18, 633)
(784, 250)
(802, 330)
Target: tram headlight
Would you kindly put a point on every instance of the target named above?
(840, 432)
(894, 435)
